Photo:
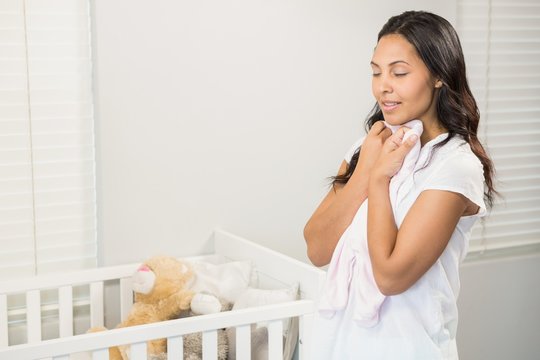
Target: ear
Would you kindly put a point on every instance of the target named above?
(438, 84)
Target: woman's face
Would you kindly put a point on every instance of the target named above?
(402, 84)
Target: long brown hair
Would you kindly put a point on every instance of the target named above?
(438, 45)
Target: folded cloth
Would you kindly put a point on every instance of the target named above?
(351, 262)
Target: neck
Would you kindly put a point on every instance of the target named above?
(432, 129)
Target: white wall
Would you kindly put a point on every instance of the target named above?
(226, 114)
(499, 312)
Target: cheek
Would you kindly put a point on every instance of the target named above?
(374, 87)
(419, 91)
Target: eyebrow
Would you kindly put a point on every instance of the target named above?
(392, 63)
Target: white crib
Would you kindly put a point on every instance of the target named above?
(273, 270)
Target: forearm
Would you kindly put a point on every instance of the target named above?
(337, 210)
(381, 231)
(325, 227)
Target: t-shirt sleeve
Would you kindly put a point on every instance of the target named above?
(350, 153)
(462, 173)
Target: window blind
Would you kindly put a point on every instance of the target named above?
(47, 168)
(501, 42)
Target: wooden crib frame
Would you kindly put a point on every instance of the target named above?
(271, 266)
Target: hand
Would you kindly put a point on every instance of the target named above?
(393, 153)
(371, 148)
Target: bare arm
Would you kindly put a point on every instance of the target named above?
(400, 258)
(332, 217)
(338, 208)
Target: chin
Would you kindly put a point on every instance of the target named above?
(395, 121)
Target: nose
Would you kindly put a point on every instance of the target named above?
(383, 84)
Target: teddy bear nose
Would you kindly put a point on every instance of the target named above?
(143, 268)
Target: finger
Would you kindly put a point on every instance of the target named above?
(408, 144)
(392, 143)
(378, 127)
(386, 133)
(398, 136)
(401, 131)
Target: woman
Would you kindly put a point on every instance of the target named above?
(393, 278)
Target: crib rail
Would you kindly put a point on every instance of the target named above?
(173, 330)
(57, 280)
(64, 284)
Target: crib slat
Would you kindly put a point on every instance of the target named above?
(126, 297)
(304, 336)
(4, 334)
(209, 345)
(275, 340)
(96, 304)
(138, 351)
(33, 316)
(102, 354)
(175, 348)
(243, 342)
(65, 311)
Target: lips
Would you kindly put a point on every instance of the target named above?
(389, 105)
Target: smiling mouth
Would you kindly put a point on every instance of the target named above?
(389, 105)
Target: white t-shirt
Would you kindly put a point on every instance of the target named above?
(420, 323)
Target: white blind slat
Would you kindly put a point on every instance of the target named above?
(514, 216)
(502, 150)
(529, 81)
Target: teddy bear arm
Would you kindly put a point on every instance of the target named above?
(140, 314)
(185, 298)
(173, 305)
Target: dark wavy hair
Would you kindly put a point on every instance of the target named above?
(438, 45)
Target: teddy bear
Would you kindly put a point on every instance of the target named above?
(162, 292)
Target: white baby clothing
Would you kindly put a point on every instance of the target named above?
(421, 322)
